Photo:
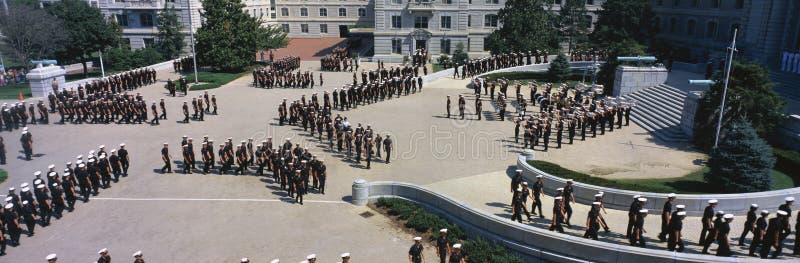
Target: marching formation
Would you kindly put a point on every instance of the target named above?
(338, 60)
(49, 197)
(768, 233)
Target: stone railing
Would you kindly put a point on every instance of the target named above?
(737, 204)
(533, 243)
(160, 66)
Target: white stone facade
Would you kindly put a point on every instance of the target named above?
(325, 18)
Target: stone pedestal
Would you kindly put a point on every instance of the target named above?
(529, 155)
(41, 79)
(360, 192)
(689, 110)
(631, 79)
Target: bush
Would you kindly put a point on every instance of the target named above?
(459, 56)
(482, 250)
(123, 59)
(742, 162)
(443, 60)
(788, 162)
(422, 221)
(559, 69)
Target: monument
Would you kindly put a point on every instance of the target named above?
(629, 79)
(44, 79)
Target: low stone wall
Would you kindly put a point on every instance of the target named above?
(534, 244)
(737, 204)
(74, 84)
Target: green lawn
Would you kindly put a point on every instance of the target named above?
(11, 92)
(3, 175)
(437, 67)
(212, 80)
(692, 183)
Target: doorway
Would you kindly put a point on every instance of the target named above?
(343, 31)
(421, 44)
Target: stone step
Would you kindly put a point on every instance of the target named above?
(674, 94)
(666, 94)
(660, 106)
(656, 114)
(669, 134)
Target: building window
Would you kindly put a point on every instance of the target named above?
(323, 28)
(254, 12)
(284, 11)
(362, 12)
(323, 12)
(672, 25)
(445, 22)
(447, 2)
(261, 12)
(304, 28)
(149, 42)
(342, 11)
(272, 15)
(122, 20)
(445, 46)
(714, 3)
(490, 20)
(147, 20)
(397, 2)
(711, 29)
(397, 22)
(303, 11)
(421, 22)
(494, 2)
(469, 20)
(285, 28)
(690, 27)
(485, 44)
(397, 46)
(739, 4)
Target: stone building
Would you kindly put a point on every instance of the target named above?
(703, 29)
(326, 18)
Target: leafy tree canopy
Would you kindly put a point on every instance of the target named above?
(524, 26)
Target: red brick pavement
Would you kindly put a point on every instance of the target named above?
(305, 48)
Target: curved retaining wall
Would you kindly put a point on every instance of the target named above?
(737, 204)
(535, 244)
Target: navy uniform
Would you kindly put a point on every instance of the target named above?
(568, 199)
(387, 147)
(442, 245)
(637, 237)
(759, 233)
(593, 221)
(675, 228)
(537, 196)
(104, 256)
(772, 237)
(632, 211)
(558, 215)
(724, 228)
(749, 223)
(666, 212)
(457, 256)
(708, 215)
(415, 252)
(124, 159)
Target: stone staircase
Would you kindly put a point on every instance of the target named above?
(658, 110)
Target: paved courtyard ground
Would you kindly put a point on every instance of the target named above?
(220, 218)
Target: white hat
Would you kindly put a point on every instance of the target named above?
(712, 201)
(570, 180)
(765, 212)
(9, 198)
(37, 173)
(113, 150)
(23, 185)
(598, 195)
(104, 250)
(783, 213)
(344, 255)
(595, 203)
(789, 199)
(37, 182)
(671, 195)
(12, 189)
(518, 170)
(443, 230)
(51, 257)
(524, 183)
(457, 245)
(40, 186)
(69, 163)
(245, 260)
(79, 162)
(417, 238)
(24, 132)
(81, 165)
(102, 146)
(9, 206)
(25, 189)
(91, 152)
(681, 213)
(643, 211)
(122, 144)
(636, 196)
(728, 216)
(560, 189)
(51, 166)
(25, 128)
(275, 261)
(539, 176)
(519, 189)
(25, 202)
(642, 199)
(55, 184)
(137, 253)
(51, 173)
(79, 156)
(312, 256)
(754, 205)
(558, 198)
(680, 206)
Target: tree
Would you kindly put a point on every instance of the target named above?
(459, 56)
(169, 40)
(607, 74)
(750, 96)
(229, 39)
(743, 162)
(574, 23)
(559, 69)
(31, 33)
(525, 26)
(623, 19)
(87, 30)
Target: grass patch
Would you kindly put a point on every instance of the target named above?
(692, 183)
(427, 224)
(11, 91)
(212, 80)
(3, 176)
(437, 67)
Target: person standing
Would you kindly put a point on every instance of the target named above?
(569, 199)
(442, 245)
(637, 235)
(593, 221)
(449, 103)
(772, 237)
(675, 228)
(537, 196)
(759, 233)
(724, 242)
(456, 255)
(165, 156)
(666, 212)
(708, 215)
(2, 151)
(415, 252)
(749, 223)
(558, 215)
(462, 103)
(27, 143)
(387, 147)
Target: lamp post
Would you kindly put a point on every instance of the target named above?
(191, 38)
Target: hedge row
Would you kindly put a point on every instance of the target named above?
(557, 170)
(478, 250)
(788, 162)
